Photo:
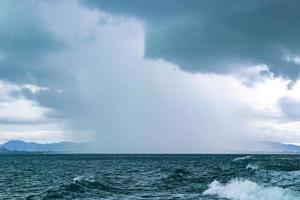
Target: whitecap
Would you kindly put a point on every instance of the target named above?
(252, 166)
(83, 178)
(239, 189)
(78, 178)
(242, 158)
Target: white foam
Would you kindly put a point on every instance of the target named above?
(83, 178)
(252, 166)
(238, 189)
(78, 178)
(242, 158)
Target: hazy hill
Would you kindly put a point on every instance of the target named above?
(4, 150)
(19, 145)
(277, 147)
(15, 146)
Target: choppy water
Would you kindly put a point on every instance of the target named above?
(243, 177)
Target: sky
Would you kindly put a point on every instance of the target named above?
(154, 76)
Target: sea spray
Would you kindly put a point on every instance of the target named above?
(91, 176)
(239, 189)
(242, 158)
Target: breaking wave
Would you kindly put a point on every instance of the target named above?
(252, 166)
(80, 187)
(259, 177)
(238, 189)
(242, 158)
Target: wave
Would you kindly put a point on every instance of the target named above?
(238, 189)
(252, 166)
(176, 177)
(282, 166)
(82, 178)
(242, 158)
(80, 185)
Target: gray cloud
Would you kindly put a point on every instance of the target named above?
(24, 42)
(27, 48)
(217, 36)
(290, 108)
(99, 82)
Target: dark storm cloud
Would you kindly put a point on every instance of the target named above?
(95, 80)
(23, 43)
(26, 47)
(217, 36)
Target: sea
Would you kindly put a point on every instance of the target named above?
(139, 176)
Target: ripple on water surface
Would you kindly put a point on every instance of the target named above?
(150, 177)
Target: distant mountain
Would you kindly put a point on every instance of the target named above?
(4, 150)
(268, 147)
(277, 147)
(19, 145)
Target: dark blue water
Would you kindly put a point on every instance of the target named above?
(150, 177)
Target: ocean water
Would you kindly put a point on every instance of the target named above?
(252, 177)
